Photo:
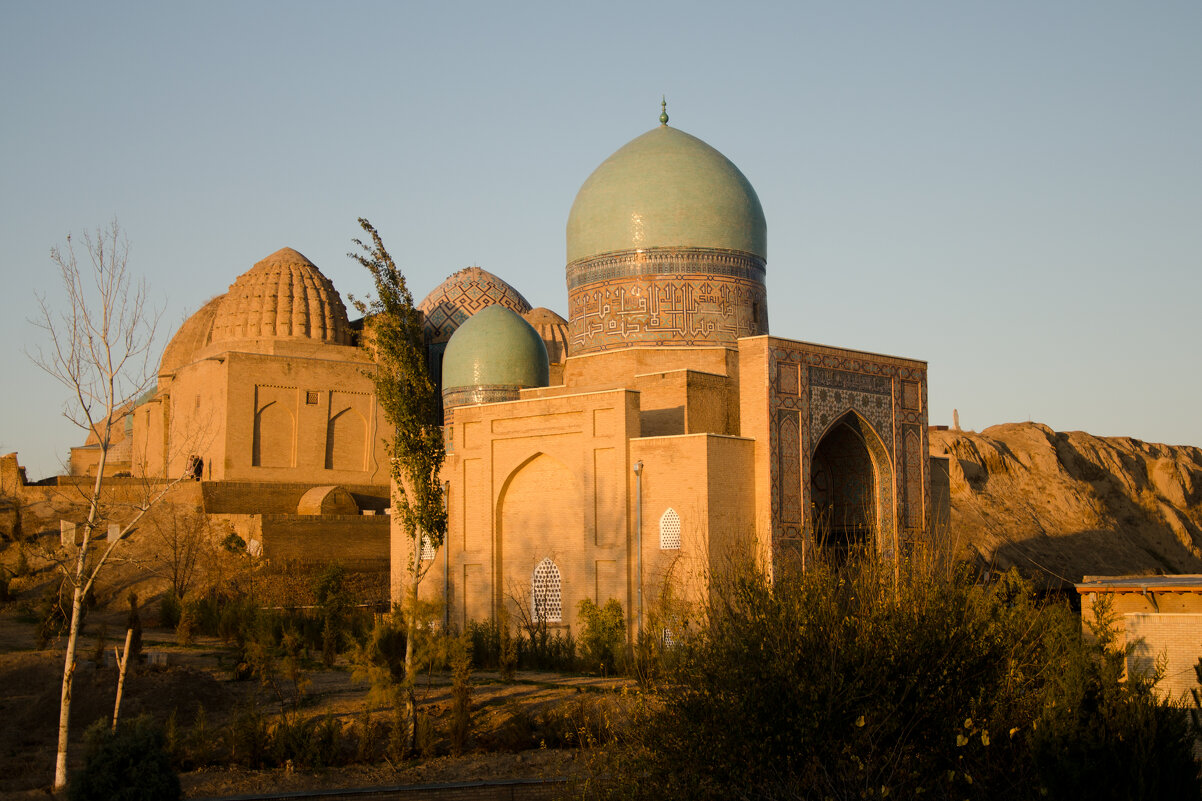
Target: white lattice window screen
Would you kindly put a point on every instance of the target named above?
(427, 549)
(546, 595)
(669, 531)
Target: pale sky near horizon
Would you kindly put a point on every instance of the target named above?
(1010, 191)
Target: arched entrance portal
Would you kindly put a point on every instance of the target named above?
(849, 479)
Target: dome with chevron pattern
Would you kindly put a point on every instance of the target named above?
(462, 295)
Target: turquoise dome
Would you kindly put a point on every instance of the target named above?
(495, 347)
(666, 189)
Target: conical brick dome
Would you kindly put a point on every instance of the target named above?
(284, 296)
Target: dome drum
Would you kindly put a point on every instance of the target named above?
(471, 396)
(665, 297)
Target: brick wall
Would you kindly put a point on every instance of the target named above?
(1156, 623)
(255, 497)
(359, 542)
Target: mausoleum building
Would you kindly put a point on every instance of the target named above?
(631, 448)
(676, 432)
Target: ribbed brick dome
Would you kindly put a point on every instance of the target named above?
(553, 329)
(284, 296)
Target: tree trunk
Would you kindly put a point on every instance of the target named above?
(122, 666)
(81, 565)
(64, 709)
(410, 637)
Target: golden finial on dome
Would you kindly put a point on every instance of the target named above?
(663, 113)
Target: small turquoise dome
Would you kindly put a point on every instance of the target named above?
(666, 189)
(495, 347)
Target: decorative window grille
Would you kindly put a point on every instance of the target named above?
(427, 549)
(668, 641)
(669, 531)
(545, 595)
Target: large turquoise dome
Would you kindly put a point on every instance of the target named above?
(666, 189)
(494, 349)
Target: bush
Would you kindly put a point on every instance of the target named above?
(853, 681)
(130, 765)
(485, 638)
(169, 610)
(248, 739)
(461, 692)
(383, 649)
(1105, 735)
(54, 612)
(603, 637)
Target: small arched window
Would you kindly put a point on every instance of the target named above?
(669, 531)
(546, 597)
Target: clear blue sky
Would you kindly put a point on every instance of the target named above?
(1010, 191)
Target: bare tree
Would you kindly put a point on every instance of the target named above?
(406, 392)
(99, 348)
(182, 541)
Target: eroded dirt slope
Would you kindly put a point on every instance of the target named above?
(1061, 505)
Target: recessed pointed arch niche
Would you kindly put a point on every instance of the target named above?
(851, 488)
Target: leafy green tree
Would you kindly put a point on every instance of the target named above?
(406, 392)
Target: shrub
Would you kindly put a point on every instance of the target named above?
(859, 681)
(540, 649)
(130, 765)
(485, 639)
(383, 650)
(248, 738)
(169, 610)
(234, 544)
(54, 611)
(461, 692)
(603, 637)
(329, 589)
(507, 647)
(311, 743)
